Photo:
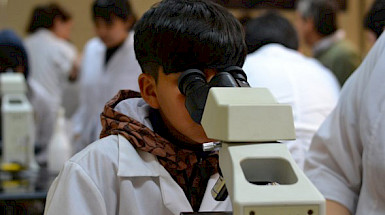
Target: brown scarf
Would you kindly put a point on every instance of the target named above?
(189, 171)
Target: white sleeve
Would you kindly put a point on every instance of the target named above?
(334, 161)
(73, 192)
(65, 57)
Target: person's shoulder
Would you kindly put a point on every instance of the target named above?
(104, 150)
(127, 48)
(344, 48)
(34, 38)
(94, 42)
(129, 42)
(314, 63)
(264, 55)
(65, 45)
(94, 45)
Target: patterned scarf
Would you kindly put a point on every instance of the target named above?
(190, 169)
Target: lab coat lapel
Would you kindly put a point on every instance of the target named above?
(172, 194)
(119, 56)
(145, 164)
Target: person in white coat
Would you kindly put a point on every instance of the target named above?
(150, 158)
(273, 62)
(347, 155)
(108, 65)
(52, 58)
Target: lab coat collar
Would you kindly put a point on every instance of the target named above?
(134, 163)
(121, 53)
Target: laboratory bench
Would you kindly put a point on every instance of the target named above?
(24, 192)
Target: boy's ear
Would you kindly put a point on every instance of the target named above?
(147, 85)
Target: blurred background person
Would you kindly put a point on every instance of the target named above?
(347, 154)
(13, 58)
(53, 59)
(273, 62)
(317, 26)
(374, 21)
(108, 65)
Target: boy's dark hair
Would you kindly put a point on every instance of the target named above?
(323, 12)
(268, 28)
(185, 34)
(43, 16)
(375, 18)
(105, 9)
(12, 52)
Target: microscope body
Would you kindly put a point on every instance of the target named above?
(260, 175)
(18, 128)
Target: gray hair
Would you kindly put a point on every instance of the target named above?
(323, 13)
(303, 7)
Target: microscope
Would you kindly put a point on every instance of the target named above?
(18, 134)
(259, 174)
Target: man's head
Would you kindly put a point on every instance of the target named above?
(52, 17)
(176, 35)
(269, 28)
(13, 56)
(374, 20)
(113, 20)
(316, 19)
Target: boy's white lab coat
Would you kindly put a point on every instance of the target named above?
(111, 177)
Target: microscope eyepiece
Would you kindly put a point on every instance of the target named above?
(192, 83)
(189, 79)
(239, 75)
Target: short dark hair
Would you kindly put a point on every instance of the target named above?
(323, 12)
(12, 52)
(375, 18)
(105, 9)
(43, 16)
(270, 27)
(184, 34)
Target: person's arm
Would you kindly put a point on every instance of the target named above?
(334, 161)
(73, 75)
(345, 65)
(73, 192)
(335, 208)
(67, 60)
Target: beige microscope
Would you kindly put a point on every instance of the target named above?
(261, 176)
(18, 134)
(259, 173)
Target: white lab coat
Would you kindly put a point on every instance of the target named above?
(111, 177)
(346, 160)
(44, 115)
(51, 59)
(100, 82)
(310, 88)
